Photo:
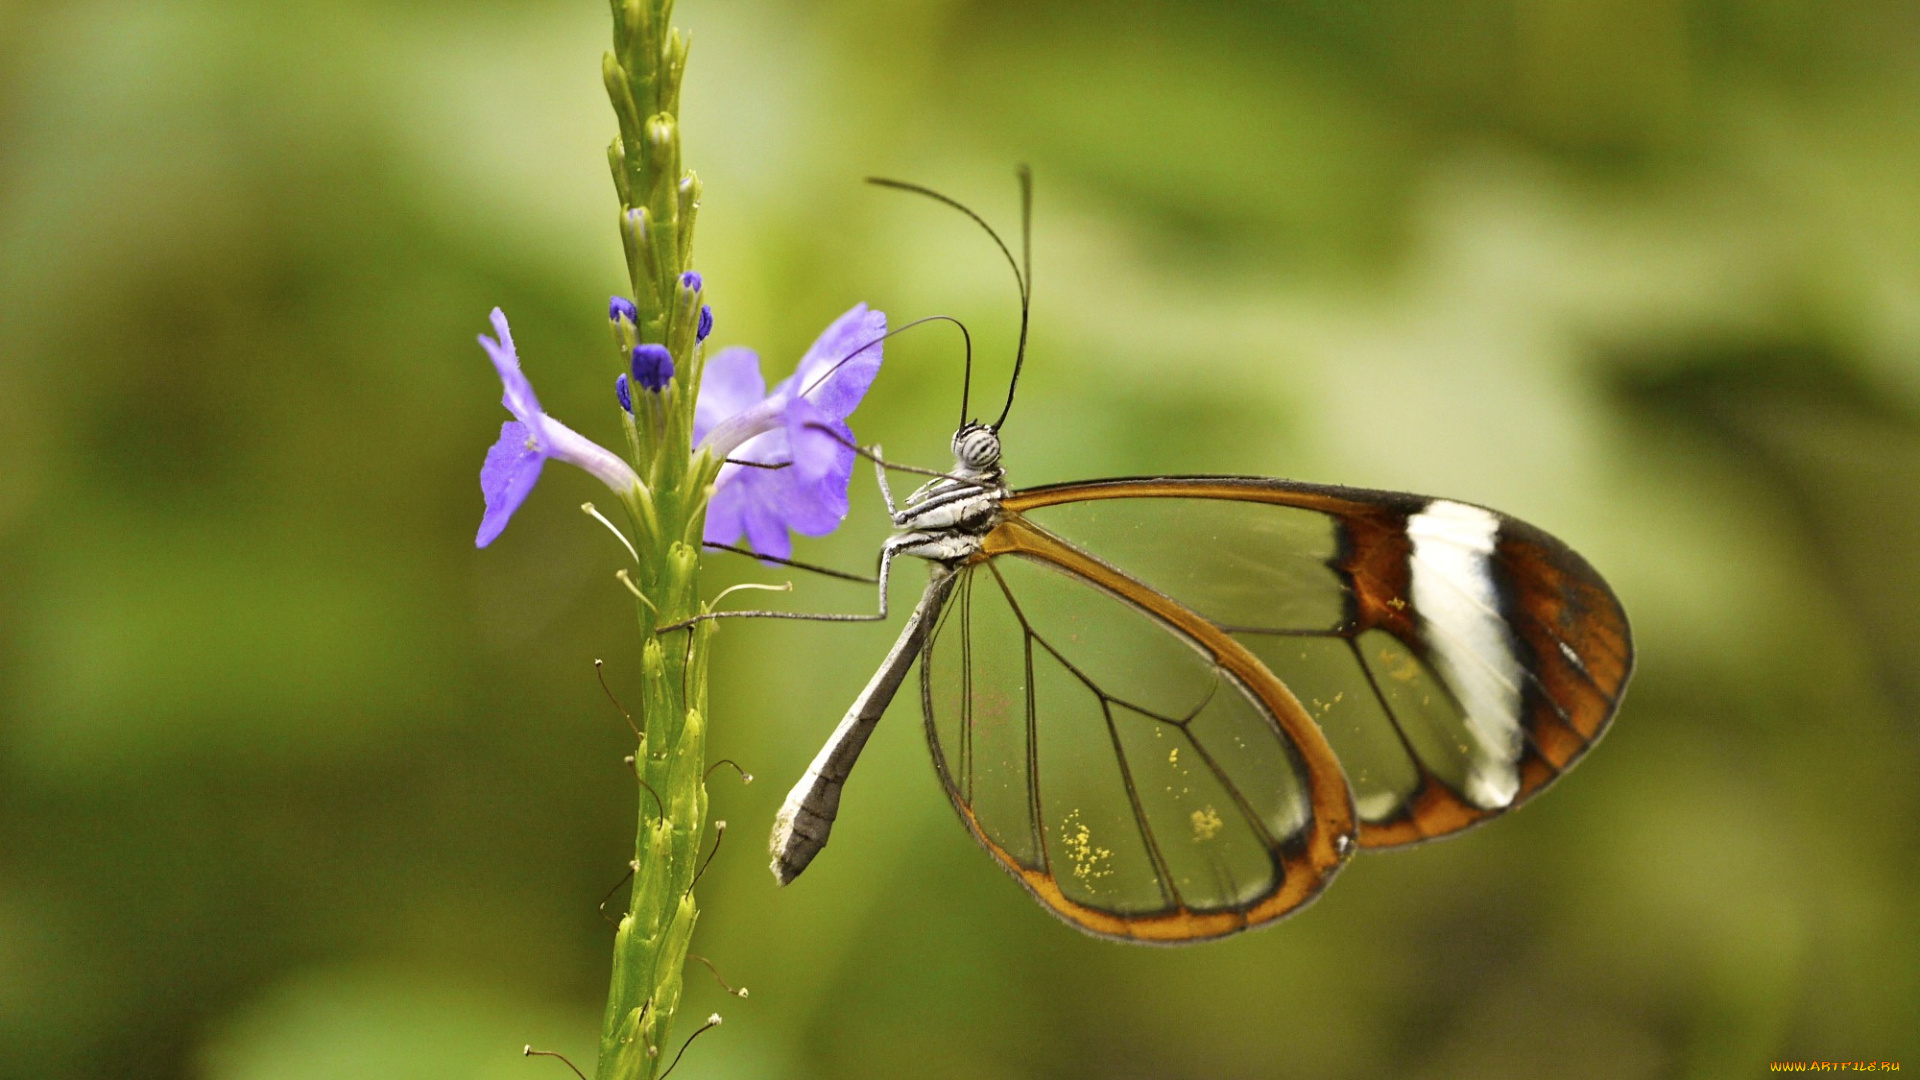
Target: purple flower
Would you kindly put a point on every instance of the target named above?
(528, 440)
(706, 323)
(619, 307)
(622, 393)
(736, 417)
(652, 366)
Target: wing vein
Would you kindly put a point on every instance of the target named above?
(966, 692)
(1034, 820)
(1240, 800)
(1168, 890)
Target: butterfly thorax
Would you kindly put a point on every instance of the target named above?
(945, 519)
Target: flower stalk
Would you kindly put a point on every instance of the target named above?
(657, 334)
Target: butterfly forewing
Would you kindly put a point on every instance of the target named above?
(1457, 660)
(1135, 785)
(1236, 563)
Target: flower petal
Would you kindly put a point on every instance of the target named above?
(820, 443)
(729, 384)
(766, 525)
(749, 508)
(511, 468)
(736, 431)
(817, 509)
(833, 375)
(801, 422)
(518, 397)
(724, 521)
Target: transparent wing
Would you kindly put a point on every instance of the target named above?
(1457, 660)
(1137, 774)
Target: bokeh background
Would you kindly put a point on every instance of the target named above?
(294, 783)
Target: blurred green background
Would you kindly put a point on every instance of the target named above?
(294, 783)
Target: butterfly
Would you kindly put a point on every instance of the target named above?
(1174, 707)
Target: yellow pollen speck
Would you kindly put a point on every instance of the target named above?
(1206, 823)
(1173, 756)
(1397, 604)
(1090, 862)
(1406, 672)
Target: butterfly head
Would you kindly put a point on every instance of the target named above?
(976, 449)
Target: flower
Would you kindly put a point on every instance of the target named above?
(528, 440)
(652, 366)
(619, 308)
(800, 425)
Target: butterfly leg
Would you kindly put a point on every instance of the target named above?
(886, 491)
(894, 546)
(824, 571)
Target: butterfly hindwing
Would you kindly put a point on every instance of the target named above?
(1135, 767)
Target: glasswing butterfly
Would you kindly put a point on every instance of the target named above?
(1173, 707)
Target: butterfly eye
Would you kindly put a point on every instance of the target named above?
(976, 448)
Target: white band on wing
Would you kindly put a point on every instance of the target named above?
(1467, 637)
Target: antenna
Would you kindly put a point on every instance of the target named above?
(966, 382)
(1026, 287)
(1021, 278)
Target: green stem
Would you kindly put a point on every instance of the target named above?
(650, 949)
(658, 203)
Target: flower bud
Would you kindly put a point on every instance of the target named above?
(661, 133)
(619, 91)
(619, 307)
(690, 281)
(636, 232)
(706, 323)
(623, 392)
(652, 366)
(617, 162)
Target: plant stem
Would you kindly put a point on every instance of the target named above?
(658, 203)
(650, 949)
